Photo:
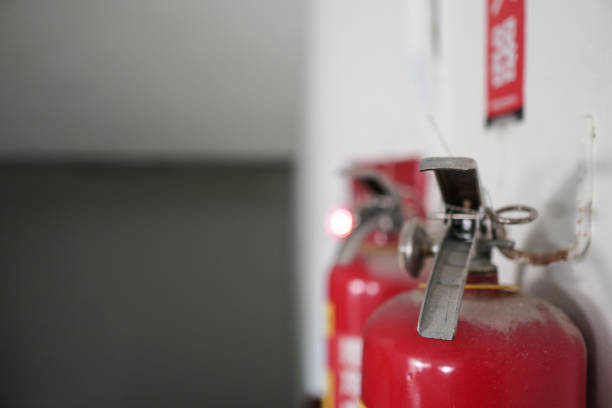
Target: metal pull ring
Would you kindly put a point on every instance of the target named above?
(530, 214)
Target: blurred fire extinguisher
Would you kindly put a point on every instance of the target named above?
(366, 273)
(467, 341)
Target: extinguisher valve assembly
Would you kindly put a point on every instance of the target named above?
(384, 211)
(472, 230)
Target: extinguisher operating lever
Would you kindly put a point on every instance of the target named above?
(472, 230)
(384, 210)
(459, 185)
(368, 221)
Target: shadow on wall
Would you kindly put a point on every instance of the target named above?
(559, 283)
(589, 320)
(146, 286)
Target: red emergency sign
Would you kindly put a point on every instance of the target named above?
(505, 58)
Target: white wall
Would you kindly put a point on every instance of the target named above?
(568, 75)
(363, 57)
(148, 78)
(365, 99)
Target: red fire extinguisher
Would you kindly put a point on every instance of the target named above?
(366, 272)
(466, 341)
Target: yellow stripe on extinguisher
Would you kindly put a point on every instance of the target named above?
(329, 397)
(362, 405)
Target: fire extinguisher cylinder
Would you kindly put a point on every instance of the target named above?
(465, 341)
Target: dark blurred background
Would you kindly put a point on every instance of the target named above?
(145, 286)
(146, 166)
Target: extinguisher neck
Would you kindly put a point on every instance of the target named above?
(483, 277)
(481, 269)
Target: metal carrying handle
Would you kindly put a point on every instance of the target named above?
(460, 188)
(384, 188)
(385, 209)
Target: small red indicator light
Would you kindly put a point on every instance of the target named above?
(340, 222)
